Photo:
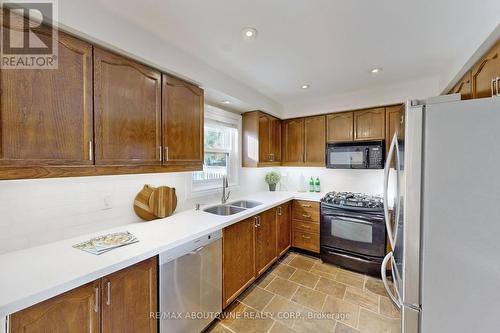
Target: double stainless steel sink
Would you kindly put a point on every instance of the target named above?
(232, 207)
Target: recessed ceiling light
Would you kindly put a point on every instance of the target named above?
(376, 70)
(249, 32)
(305, 86)
(226, 102)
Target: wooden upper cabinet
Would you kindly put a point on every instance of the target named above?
(183, 118)
(394, 122)
(238, 247)
(128, 298)
(464, 86)
(264, 139)
(314, 141)
(275, 139)
(369, 124)
(261, 139)
(46, 115)
(284, 228)
(265, 241)
(293, 141)
(340, 127)
(486, 70)
(76, 311)
(127, 109)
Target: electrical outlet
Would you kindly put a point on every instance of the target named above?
(107, 202)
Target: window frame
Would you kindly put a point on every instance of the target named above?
(203, 188)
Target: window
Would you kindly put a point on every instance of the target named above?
(222, 150)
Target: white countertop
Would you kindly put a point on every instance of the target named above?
(35, 274)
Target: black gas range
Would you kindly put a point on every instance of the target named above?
(353, 232)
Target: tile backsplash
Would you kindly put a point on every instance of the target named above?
(34, 212)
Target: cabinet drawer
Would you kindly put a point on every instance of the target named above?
(312, 227)
(306, 210)
(306, 240)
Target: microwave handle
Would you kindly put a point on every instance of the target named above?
(367, 155)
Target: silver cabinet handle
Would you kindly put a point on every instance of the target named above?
(493, 90)
(166, 153)
(306, 237)
(305, 226)
(306, 206)
(256, 218)
(161, 153)
(306, 215)
(108, 296)
(258, 221)
(279, 211)
(497, 80)
(96, 305)
(91, 151)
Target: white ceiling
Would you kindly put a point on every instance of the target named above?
(329, 44)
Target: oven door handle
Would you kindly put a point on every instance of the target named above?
(336, 213)
(350, 219)
(383, 272)
(386, 190)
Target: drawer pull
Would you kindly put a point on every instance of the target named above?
(306, 215)
(306, 205)
(96, 304)
(306, 237)
(306, 226)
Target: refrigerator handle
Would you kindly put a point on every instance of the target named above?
(383, 272)
(386, 189)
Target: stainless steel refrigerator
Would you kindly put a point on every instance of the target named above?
(445, 180)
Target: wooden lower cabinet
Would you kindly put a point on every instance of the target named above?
(250, 247)
(238, 259)
(75, 311)
(265, 241)
(124, 307)
(305, 225)
(283, 228)
(129, 297)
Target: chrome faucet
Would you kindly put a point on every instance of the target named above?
(224, 186)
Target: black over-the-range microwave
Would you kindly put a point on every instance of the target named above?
(355, 155)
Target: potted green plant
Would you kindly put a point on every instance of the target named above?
(272, 178)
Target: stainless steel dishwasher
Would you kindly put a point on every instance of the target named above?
(191, 285)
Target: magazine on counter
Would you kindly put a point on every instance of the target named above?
(105, 243)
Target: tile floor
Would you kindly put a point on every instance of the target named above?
(301, 294)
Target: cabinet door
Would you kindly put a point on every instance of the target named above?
(264, 139)
(265, 241)
(487, 69)
(339, 127)
(369, 124)
(46, 115)
(238, 247)
(394, 122)
(284, 231)
(129, 297)
(463, 87)
(293, 141)
(76, 311)
(275, 140)
(182, 122)
(314, 137)
(127, 111)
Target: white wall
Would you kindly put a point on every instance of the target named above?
(35, 212)
(381, 95)
(366, 181)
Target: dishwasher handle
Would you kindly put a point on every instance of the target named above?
(197, 250)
